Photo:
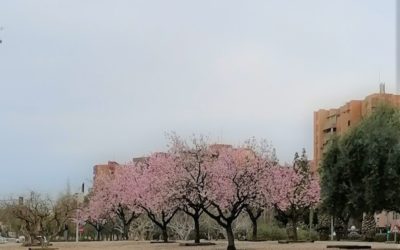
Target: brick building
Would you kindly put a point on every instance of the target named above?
(101, 170)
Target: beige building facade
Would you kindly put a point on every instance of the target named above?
(336, 121)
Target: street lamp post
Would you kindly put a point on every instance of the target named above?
(332, 229)
(311, 221)
(77, 225)
(79, 200)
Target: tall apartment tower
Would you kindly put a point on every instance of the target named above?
(336, 121)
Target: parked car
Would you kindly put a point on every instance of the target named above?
(3, 240)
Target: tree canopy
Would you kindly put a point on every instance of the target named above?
(360, 170)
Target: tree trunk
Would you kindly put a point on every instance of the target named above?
(29, 240)
(196, 229)
(368, 226)
(164, 234)
(125, 234)
(254, 225)
(294, 230)
(291, 229)
(42, 243)
(340, 228)
(231, 238)
(254, 213)
(345, 233)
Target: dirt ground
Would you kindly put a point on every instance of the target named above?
(221, 245)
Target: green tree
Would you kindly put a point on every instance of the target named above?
(360, 170)
(301, 163)
(335, 185)
(381, 161)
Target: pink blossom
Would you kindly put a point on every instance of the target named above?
(285, 187)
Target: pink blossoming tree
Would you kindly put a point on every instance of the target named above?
(95, 217)
(110, 198)
(153, 184)
(292, 190)
(192, 159)
(266, 156)
(198, 177)
(234, 184)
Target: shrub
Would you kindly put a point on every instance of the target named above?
(323, 227)
(275, 232)
(271, 232)
(303, 234)
(354, 236)
(380, 237)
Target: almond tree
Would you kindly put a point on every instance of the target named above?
(152, 184)
(292, 191)
(267, 158)
(94, 215)
(190, 176)
(110, 198)
(234, 184)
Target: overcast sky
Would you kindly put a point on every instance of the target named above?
(84, 82)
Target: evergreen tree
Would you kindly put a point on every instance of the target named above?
(360, 170)
(334, 184)
(301, 163)
(381, 162)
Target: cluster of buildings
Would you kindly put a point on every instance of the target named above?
(327, 123)
(101, 170)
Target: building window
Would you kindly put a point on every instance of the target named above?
(348, 123)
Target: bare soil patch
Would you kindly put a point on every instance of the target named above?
(220, 245)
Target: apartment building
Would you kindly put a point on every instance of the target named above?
(336, 121)
(105, 170)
